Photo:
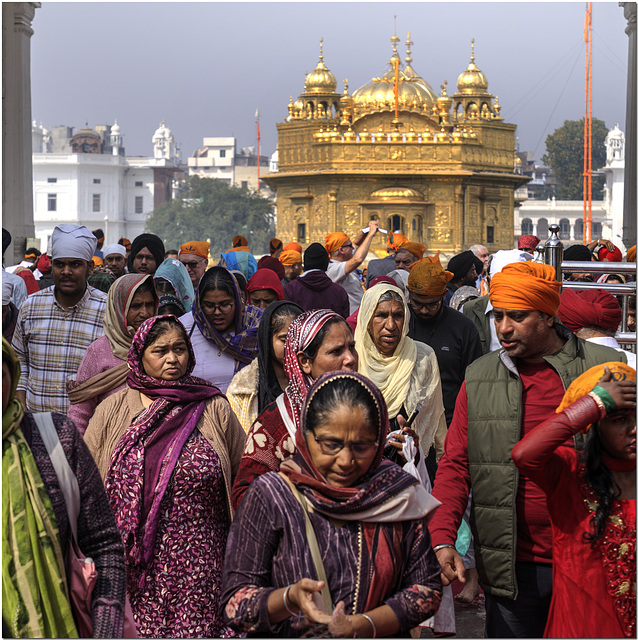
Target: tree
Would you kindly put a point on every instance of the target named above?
(565, 156)
(210, 209)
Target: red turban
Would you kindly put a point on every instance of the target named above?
(265, 279)
(268, 262)
(528, 242)
(604, 255)
(334, 241)
(590, 308)
(526, 286)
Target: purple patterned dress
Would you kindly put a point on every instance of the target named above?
(182, 591)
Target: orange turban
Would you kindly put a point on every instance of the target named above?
(293, 246)
(97, 261)
(239, 241)
(588, 380)
(631, 254)
(335, 241)
(290, 257)
(125, 242)
(414, 248)
(274, 245)
(428, 278)
(526, 286)
(196, 248)
(395, 240)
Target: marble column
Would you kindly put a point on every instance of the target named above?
(17, 168)
(629, 205)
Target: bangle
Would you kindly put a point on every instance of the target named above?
(599, 403)
(443, 546)
(369, 619)
(605, 396)
(288, 609)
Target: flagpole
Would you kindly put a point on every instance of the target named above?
(258, 156)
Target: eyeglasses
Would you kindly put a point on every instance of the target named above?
(346, 246)
(192, 264)
(224, 307)
(333, 447)
(430, 306)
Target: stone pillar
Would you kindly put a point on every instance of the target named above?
(629, 205)
(17, 167)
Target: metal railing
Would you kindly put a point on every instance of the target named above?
(552, 254)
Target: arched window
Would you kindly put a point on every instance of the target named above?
(542, 229)
(527, 228)
(578, 229)
(564, 228)
(417, 229)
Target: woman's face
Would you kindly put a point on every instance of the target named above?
(162, 285)
(142, 308)
(336, 353)
(6, 385)
(263, 298)
(617, 433)
(219, 307)
(167, 357)
(279, 341)
(386, 326)
(331, 445)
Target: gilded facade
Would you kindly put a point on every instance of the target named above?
(439, 168)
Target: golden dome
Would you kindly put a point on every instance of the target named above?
(409, 72)
(397, 193)
(321, 79)
(472, 80)
(414, 92)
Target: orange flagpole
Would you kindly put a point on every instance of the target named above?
(258, 157)
(587, 131)
(589, 121)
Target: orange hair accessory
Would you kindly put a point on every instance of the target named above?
(526, 286)
(428, 278)
(290, 257)
(588, 380)
(196, 248)
(334, 241)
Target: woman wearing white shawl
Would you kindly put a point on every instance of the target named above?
(408, 375)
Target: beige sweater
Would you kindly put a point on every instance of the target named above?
(218, 425)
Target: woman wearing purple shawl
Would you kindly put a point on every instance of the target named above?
(369, 519)
(222, 328)
(168, 447)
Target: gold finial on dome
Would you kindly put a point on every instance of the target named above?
(321, 79)
(472, 56)
(408, 52)
(472, 80)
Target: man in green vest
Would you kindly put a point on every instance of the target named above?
(506, 394)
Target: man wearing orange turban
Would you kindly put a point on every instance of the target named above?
(407, 254)
(239, 244)
(383, 266)
(194, 256)
(345, 260)
(292, 264)
(293, 246)
(506, 395)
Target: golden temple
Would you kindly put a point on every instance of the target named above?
(439, 169)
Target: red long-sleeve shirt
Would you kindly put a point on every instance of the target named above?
(542, 392)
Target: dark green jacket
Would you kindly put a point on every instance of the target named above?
(475, 311)
(494, 393)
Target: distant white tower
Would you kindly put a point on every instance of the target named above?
(115, 139)
(274, 162)
(614, 171)
(40, 138)
(163, 143)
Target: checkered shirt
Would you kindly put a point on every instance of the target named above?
(51, 341)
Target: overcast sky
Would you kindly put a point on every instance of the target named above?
(206, 67)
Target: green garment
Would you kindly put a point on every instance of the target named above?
(34, 590)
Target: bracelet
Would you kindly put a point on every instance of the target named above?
(369, 619)
(443, 546)
(288, 609)
(605, 396)
(599, 403)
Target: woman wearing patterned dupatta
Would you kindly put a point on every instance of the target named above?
(35, 527)
(368, 516)
(318, 341)
(591, 498)
(222, 329)
(168, 447)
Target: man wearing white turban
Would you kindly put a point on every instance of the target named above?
(56, 325)
(115, 258)
(479, 311)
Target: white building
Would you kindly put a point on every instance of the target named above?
(534, 216)
(86, 178)
(218, 158)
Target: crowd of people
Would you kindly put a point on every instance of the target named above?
(315, 444)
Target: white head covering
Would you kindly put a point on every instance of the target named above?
(7, 291)
(400, 276)
(72, 241)
(503, 257)
(110, 249)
